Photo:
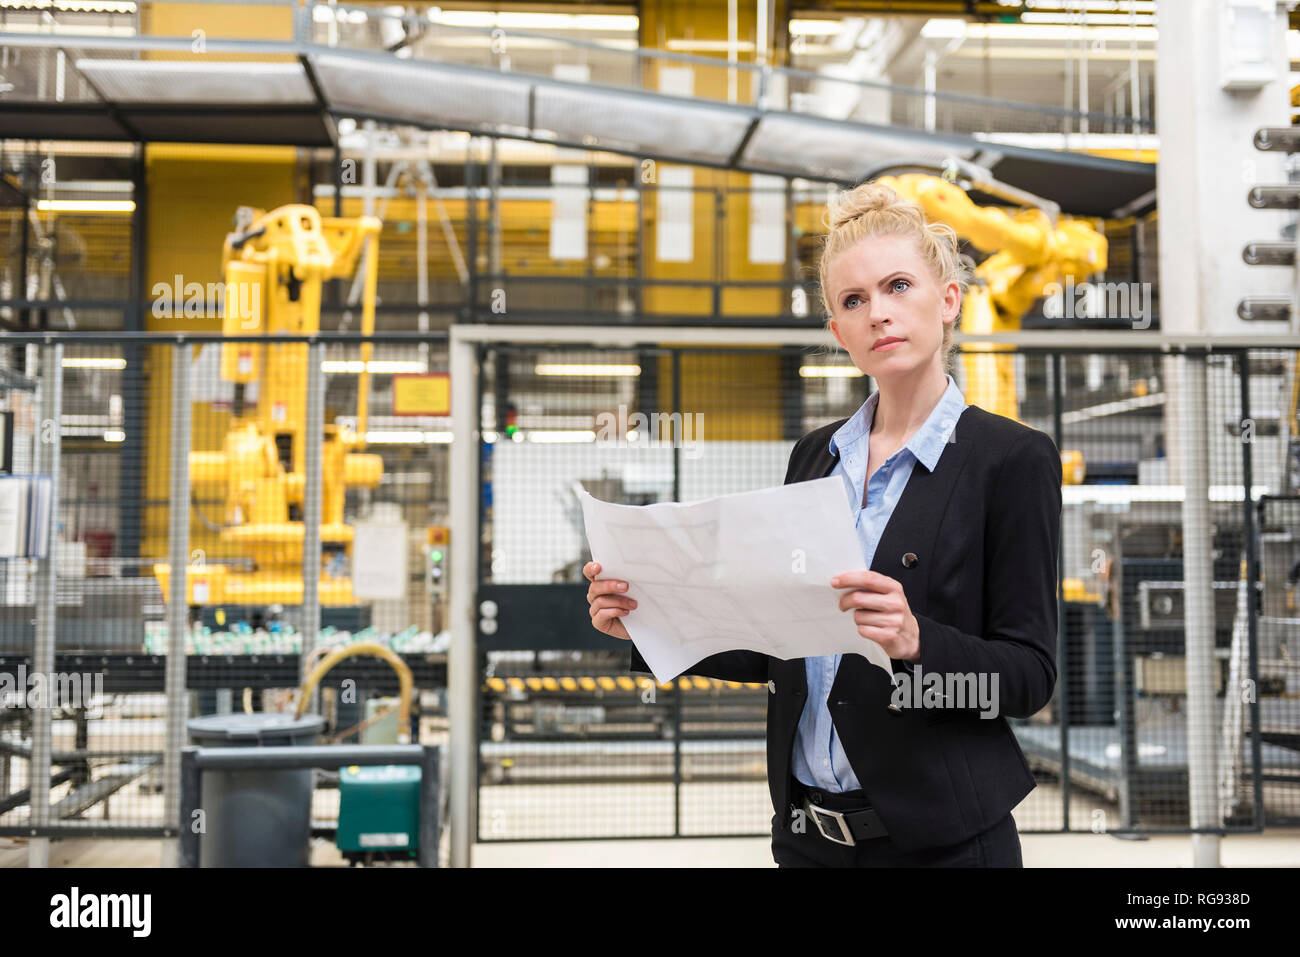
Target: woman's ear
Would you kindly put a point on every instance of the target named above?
(835, 331)
(951, 302)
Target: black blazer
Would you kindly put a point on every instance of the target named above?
(985, 529)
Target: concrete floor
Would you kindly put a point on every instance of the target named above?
(1277, 848)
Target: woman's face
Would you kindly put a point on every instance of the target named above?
(887, 310)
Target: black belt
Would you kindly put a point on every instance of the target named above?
(847, 826)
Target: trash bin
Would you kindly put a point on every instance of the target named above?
(255, 818)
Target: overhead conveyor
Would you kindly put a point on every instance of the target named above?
(293, 92)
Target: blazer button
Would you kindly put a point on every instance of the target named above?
(771, 687)
(909, 560)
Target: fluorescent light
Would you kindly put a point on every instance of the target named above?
(85, 205)
(814, 28)
(408, 437)
(114, 435)
(943, 28)
(1127, 494)
(380, 366)
(93, 363)
(1030, 31)
(829, 372)
(536, 21)
(579, 435)
(1017, 51)
(1092, 19)
(1114, 6)
(710, 46)
(585, 369)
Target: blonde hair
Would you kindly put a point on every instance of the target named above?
(874, 209)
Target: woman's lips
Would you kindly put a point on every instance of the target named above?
(885, 344)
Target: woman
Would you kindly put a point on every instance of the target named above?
(958, 512)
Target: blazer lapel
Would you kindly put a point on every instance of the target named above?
(907, 545)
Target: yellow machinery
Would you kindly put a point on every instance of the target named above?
(274, 269)
(1028, 253)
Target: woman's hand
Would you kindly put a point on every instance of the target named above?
(607, 605)
(881, 612)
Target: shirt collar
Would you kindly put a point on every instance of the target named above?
(926, 444)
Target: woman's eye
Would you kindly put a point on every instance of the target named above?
(850, 302)
(903, 281)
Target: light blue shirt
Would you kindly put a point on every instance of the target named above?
(819, 760)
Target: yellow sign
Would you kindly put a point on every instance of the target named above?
(417, 394)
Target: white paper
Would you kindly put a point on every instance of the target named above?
(746, 571)
(378, 561)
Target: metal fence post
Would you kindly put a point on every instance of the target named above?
(313, 435)
(48, 444)
(462, 657)
(1062, 642)
(1252, 580)
(677, 691)
(1198, 606)
(178, 555)
(677, 757)
(430, 798)
(190, 798)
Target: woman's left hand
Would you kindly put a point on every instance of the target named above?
(881, 612)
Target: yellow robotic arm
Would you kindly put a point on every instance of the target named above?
(1029, 251)
(274, 266)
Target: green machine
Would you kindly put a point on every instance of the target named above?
(379, 812)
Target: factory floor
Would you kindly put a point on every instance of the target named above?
(1275, 848)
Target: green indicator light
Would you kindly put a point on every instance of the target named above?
(436, 554)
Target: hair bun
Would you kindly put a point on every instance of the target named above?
(850, 204)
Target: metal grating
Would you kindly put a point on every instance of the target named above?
(423, 93)
(187, 81)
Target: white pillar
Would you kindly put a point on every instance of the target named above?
(462, 657)
(1207, 164)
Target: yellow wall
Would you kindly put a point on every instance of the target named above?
(228, 21)
(722, 387)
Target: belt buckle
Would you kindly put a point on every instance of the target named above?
(838, 817)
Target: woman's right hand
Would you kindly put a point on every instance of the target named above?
(607, 603)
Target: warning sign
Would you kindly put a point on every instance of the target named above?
(418, 394)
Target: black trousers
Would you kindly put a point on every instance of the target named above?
(999, 846)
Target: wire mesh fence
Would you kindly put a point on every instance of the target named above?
(248, 613)
(571, 744)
